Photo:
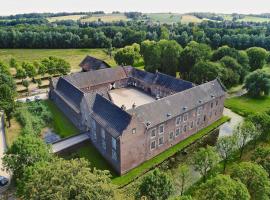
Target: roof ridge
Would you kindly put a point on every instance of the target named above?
(172, 95)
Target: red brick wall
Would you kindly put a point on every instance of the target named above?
(135, 148)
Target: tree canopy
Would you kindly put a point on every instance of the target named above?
(258, 83)
(254, 177)
(156, 185)
(25, 151)
(65, 179)
(222, 187)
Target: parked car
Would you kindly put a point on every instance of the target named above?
(28, 100)
(37, 98)
(3, 181)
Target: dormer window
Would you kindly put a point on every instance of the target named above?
(161, 129)
(185, 117)
(133, 130)
(178, 120)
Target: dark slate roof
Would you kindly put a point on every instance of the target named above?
(157, 112)
(91, 78)
(142, 75)
(172, 83)
(111, 117)
(69, 91)
(91, 63)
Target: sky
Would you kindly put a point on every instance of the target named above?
(177, 6)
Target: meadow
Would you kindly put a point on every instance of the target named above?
(68, 17)
(106, 18)
(73, 56)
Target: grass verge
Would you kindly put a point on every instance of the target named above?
(150, 164)
(60, 123)
(245, 105)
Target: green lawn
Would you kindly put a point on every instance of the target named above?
(150, 164)
(245, 105)
(89, 152)
(73, 56)
(61, 124)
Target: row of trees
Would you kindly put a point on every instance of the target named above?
(196, 62)
(247, 180)
(7, 92)
(79, 35)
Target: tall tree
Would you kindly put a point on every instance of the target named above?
(170, 52)
(222, 187)
(183, 173)
(243, 133)
(24, 152)
(156, 185)
(204, 160)
(254, 177)
(7, 101)
(65, 179)
(205, 71)
(262, 157)
(226, 146)
(257, 83)
(128, 55)
(257, 57)
(192, 53)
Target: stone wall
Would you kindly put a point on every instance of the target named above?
(71, 114)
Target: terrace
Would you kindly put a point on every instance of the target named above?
(129, 96)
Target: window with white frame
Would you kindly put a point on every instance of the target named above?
(114, 152)
(178, 120)
(171, 135)
(177, 132)
(185, 128)
(103, 141)
(153, 145)
(133, 130)
(185, 117)
(191, 125)
(160, 141)
(198, 121)
(161, 129)
(199, 111)
(94, 130)
(153, 133)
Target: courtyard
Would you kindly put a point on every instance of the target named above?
(129, 96)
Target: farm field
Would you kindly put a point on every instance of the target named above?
(173, 18)
(165, 17)
(254, 19)
(69, 17)
(190, 19)
(106, 18)
(73, 56)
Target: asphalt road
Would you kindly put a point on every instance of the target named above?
(3, 147)
(42, 96)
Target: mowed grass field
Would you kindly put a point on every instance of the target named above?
(73, 56)
(173, 18)
(106, 18)
(254, 19)
(69, 17)
(245, 105)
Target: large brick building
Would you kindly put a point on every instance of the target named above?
(132, 115)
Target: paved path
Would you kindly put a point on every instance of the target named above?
(3, 147)
(69, 142)
(42, 96)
